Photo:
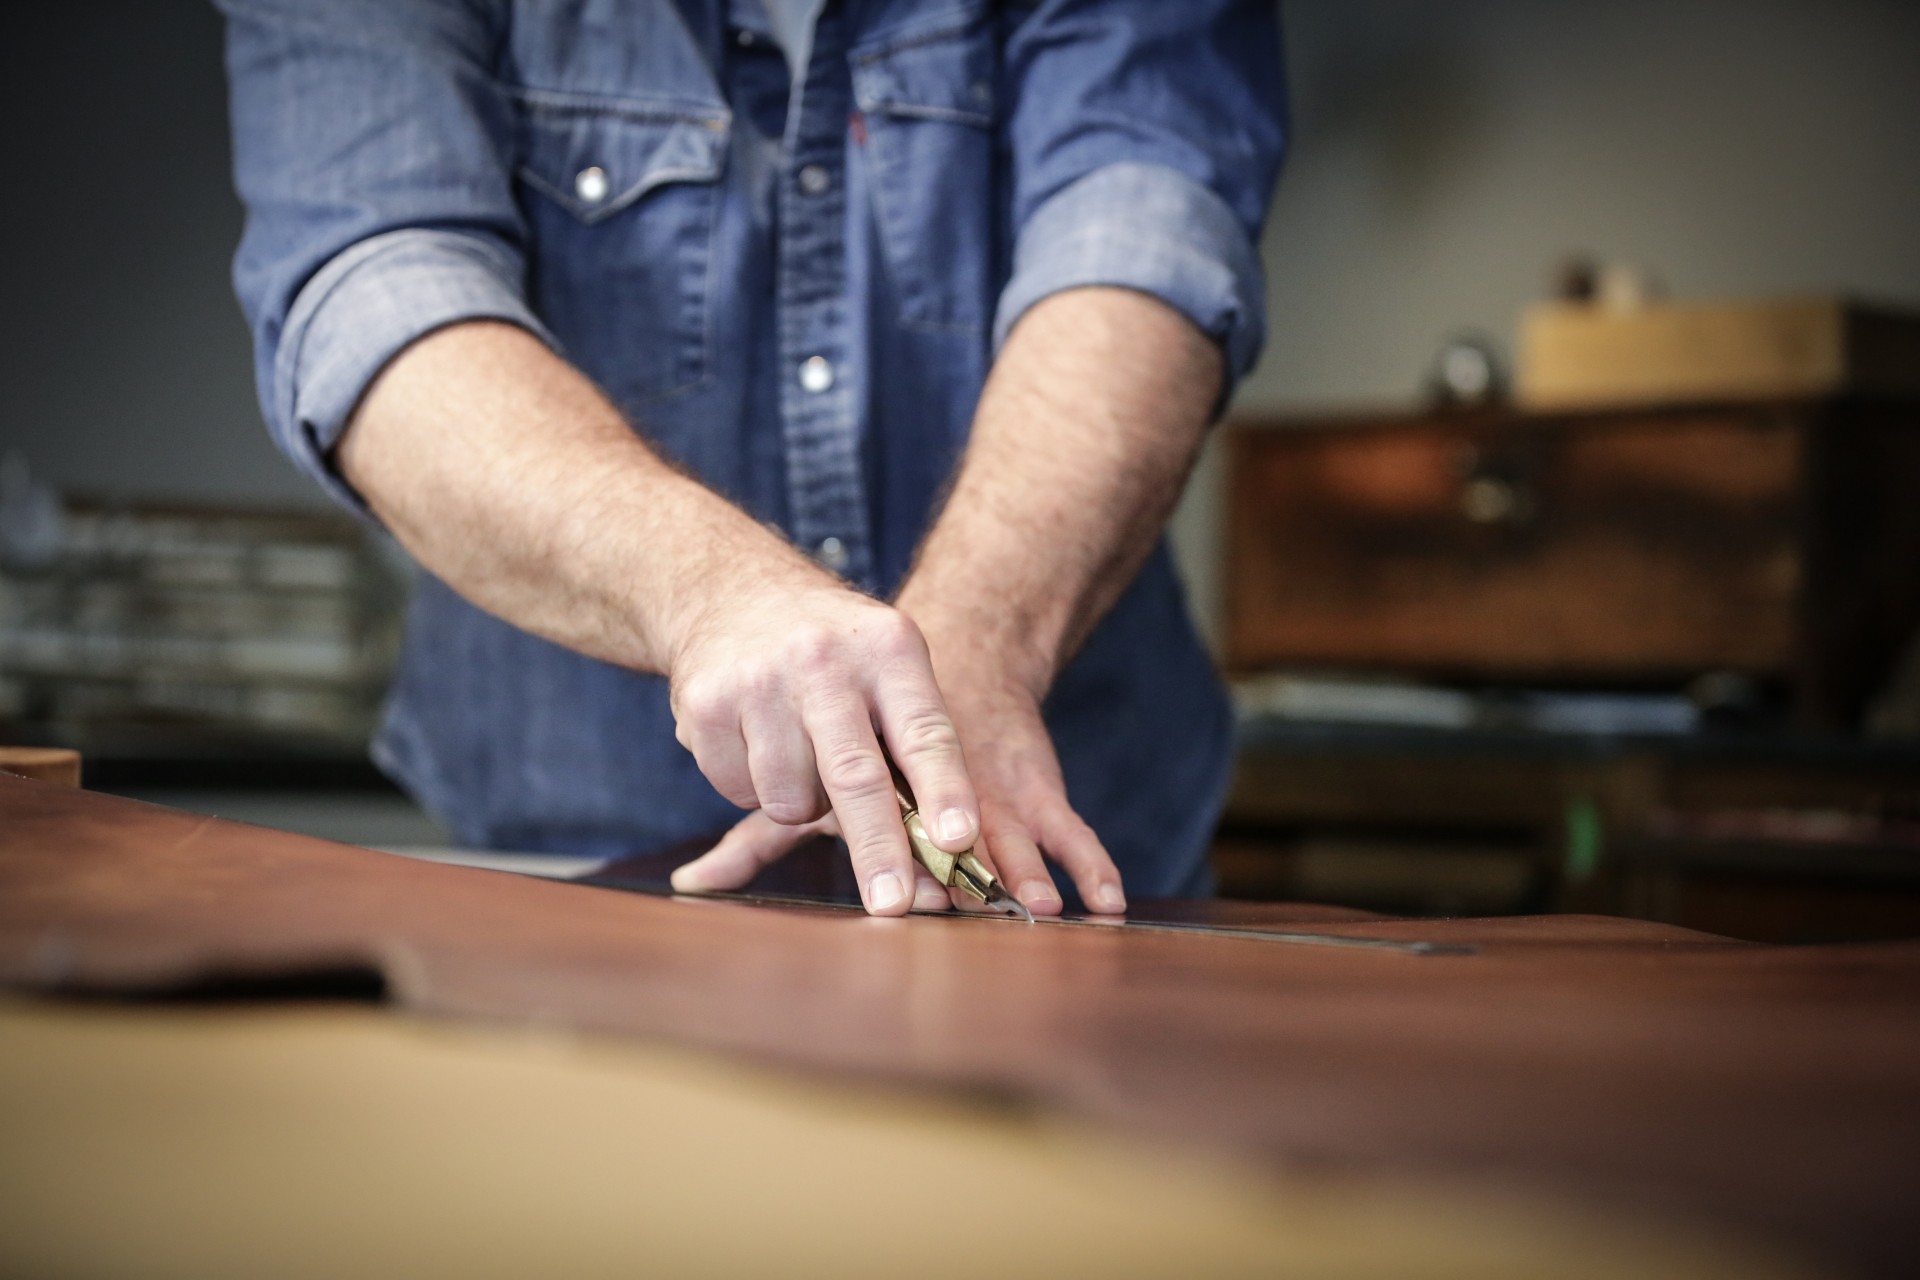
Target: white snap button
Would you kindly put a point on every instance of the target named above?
(590, 184)
(814, 179)
(832, 553)
(816, 374)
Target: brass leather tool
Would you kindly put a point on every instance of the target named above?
(961, 870)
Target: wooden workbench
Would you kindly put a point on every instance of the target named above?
(1634, 1074)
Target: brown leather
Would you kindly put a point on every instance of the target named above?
(819, 870)
(1771, 1089)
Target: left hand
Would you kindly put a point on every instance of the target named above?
(1024, 812)
(757, 841)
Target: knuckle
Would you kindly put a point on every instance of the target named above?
(1013, 850)
(737, 791)
(814, 649)
(856, 772)
(1066, 826)
(896, 638)
(793, 808)
(1077, 833)
(873, 855)
(926, 731)
(762, 683)
(1002, 825)
(703, 705)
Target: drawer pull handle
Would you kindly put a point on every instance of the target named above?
(1490, 500)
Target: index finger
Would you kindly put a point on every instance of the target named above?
(860, 787)
(926, 746)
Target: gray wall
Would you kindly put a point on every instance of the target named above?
(123, 360)
(1446, 154)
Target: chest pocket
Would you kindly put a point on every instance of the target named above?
(928, 101)
(620, 198)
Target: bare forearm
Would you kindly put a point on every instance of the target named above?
(1084, 437)
(510, 477)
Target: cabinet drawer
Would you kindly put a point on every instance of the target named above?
(1630, 545)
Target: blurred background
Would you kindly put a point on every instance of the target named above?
(1564, 549)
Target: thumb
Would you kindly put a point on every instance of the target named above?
(754, 842)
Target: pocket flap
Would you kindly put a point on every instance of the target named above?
(945, 73)
(595, 156)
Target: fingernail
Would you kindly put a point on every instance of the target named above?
(1034, 892)
(1110, 897)
(955, 825)
(883, 891)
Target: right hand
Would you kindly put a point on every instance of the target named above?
(778, 690)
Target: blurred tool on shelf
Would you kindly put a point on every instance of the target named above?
(123, 625)
(1380, 701)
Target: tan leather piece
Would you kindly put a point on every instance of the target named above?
(56, 765)
(320, 1142)
(1772, 1090)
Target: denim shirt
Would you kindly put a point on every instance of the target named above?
(792, 285)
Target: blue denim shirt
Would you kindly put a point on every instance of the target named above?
(793, 289)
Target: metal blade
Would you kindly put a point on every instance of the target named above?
(1000, 900)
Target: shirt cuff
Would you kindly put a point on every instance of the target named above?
(1150, 228)
(369, 303)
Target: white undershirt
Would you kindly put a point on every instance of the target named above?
(792, 22)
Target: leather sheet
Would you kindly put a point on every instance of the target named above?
(1772, 1090)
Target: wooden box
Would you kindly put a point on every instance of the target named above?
(1578, 354)
(1642, 546)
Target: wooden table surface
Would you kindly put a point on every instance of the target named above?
(1769, 1096)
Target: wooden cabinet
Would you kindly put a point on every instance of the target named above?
(1779, 539)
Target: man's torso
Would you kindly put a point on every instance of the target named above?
(791, 294)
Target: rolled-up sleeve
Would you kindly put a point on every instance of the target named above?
(1145, 140)
(372, 148)
(359, 312)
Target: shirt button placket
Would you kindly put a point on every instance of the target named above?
(819, 408)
